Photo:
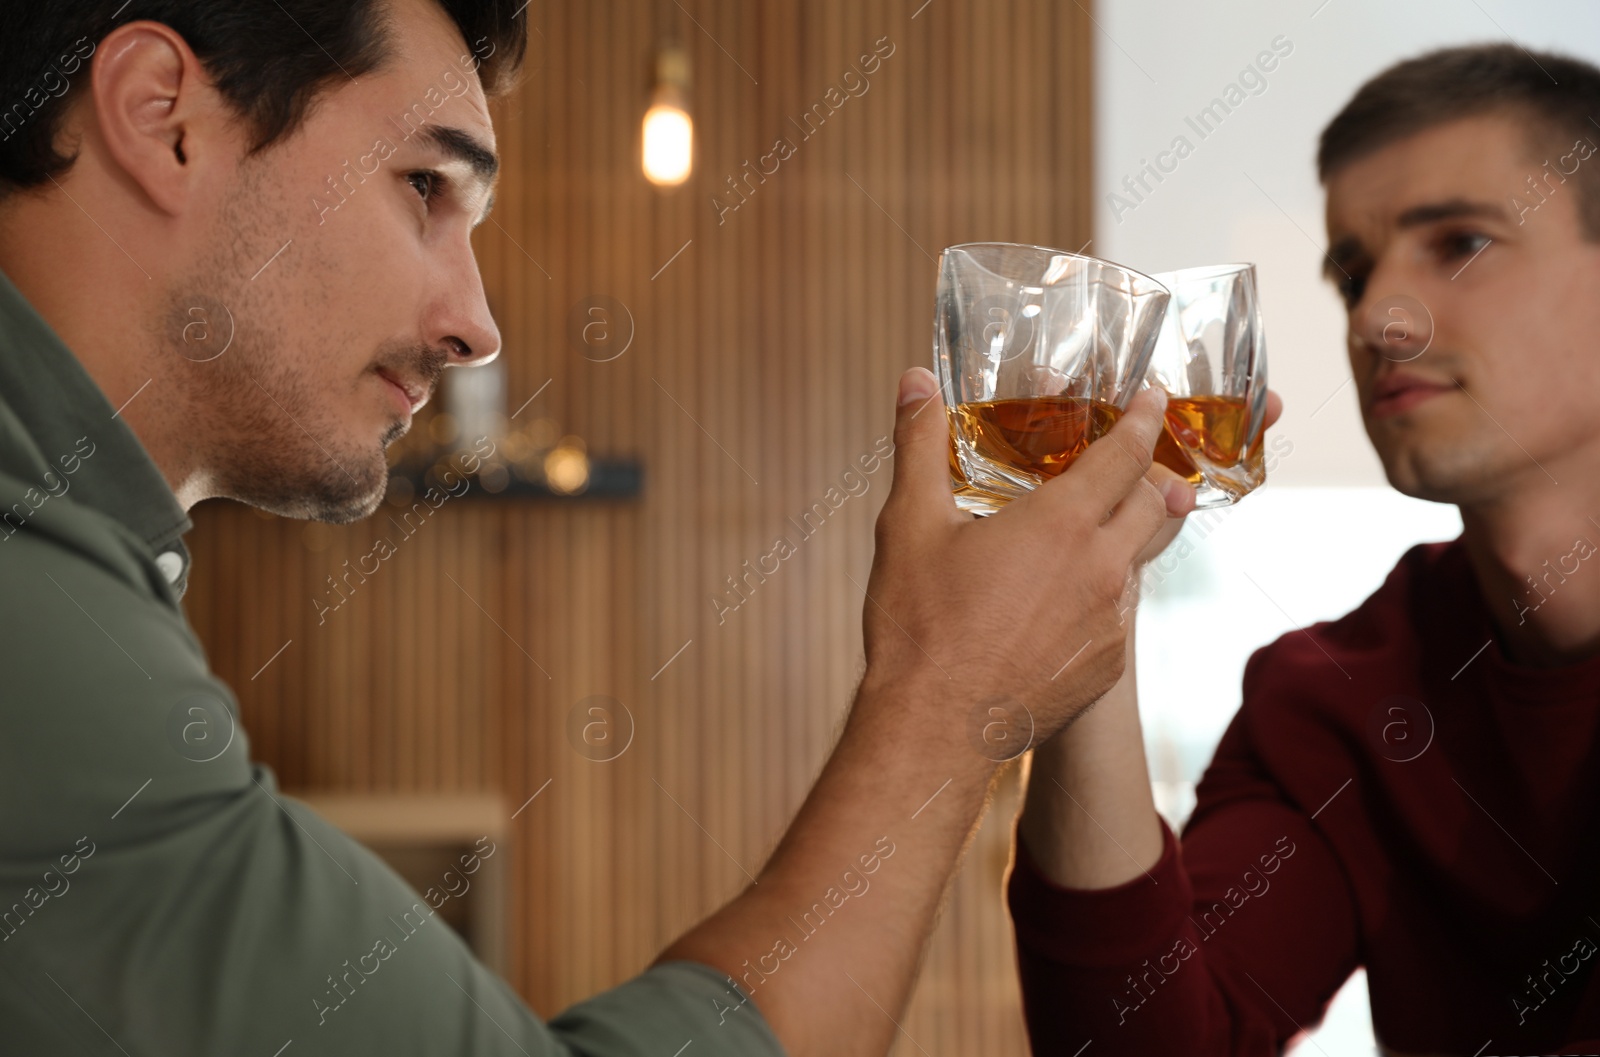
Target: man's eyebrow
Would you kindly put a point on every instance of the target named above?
(1416, 216)
(463, 146)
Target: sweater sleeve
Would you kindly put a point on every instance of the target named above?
(1233, 943)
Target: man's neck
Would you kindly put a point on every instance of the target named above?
(1536, 555)
(99, 299)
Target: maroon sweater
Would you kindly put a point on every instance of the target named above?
(1387, 796)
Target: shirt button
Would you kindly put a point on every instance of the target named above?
(171, 565)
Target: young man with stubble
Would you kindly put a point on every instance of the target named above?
(236, 257)
(1415, 787)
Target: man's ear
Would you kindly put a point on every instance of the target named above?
(151, 100)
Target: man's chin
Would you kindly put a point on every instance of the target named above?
(1455, 475)
(335, 514)
(347, 494)
(400, 428)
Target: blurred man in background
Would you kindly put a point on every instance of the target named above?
(1412, 788)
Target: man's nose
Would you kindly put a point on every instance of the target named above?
(463, 322)
(1390, 319)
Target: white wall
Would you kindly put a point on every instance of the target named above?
(1324, 531)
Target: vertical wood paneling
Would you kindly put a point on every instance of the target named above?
(780, 333)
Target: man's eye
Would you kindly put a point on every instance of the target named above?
(1351, 287)
(1462, 244)
(426, 183)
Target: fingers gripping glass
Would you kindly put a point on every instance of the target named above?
(1038, 352)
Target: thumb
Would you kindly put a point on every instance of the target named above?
(1175, 489)
(1274, 409)
(921, 442)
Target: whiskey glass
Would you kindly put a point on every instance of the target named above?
(1211, 358)
(1038, 352)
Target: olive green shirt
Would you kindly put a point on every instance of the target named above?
(158, 895)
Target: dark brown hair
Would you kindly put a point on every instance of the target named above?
(1555, 93)
(269, 59)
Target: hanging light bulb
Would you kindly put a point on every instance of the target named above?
(668, 131)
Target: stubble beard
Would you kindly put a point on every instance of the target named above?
(265, 430)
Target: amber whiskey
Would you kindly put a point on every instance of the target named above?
(1044, 435)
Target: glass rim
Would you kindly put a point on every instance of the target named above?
(1204, 271)
(1140, 278)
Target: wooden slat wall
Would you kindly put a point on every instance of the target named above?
(780, 333)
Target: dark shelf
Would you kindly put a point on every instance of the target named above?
(613, 479)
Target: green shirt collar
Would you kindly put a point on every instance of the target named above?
(58, 405)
